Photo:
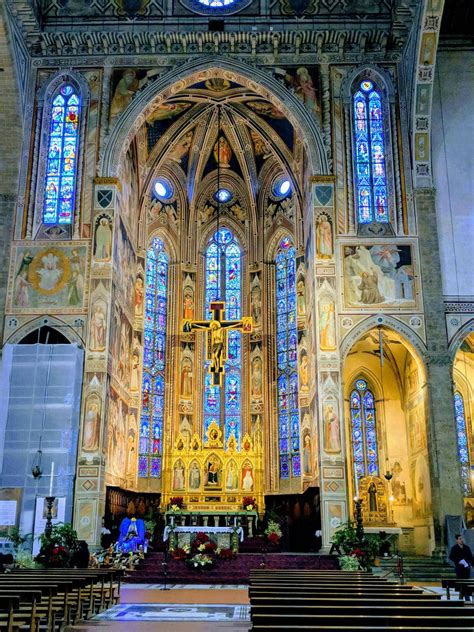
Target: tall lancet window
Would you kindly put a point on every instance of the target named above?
(154, 350)
(369, 146)
(364, 431)
(287, 360)
(224, 281)
(463, 444)
(61, 162)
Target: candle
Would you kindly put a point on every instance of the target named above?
(356, 481)
(51, 476)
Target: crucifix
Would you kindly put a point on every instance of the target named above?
(217, 328)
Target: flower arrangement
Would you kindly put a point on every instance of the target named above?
(179, 553)
(349, 563)
(273, 533)
(226, 554)
(200, 561)
(249, 503)
(347, 543)
(176, 503)
(58, 547)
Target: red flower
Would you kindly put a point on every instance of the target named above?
(358, 553)
(179, 554)
(274, 538)
(210, 547)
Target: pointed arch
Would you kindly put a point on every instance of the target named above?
(365, 454)
(287, 360)
(154, 360)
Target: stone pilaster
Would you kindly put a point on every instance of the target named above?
(444, 465)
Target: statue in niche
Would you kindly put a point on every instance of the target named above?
(188, 303)
(327, 325)
(222, 152)
(372, 493)
(257, 304)
(304, 371)
(178, 476)
(186, 389)
(307, 470)
(324, 238)
(213, 472)
(232, 480)
(194, 476)
(257, 378)
(332, 431)
(139, 294)
(300, 298)
(103, 239)
(247, 478)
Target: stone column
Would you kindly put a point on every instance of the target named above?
(89, 500)
(442, 439)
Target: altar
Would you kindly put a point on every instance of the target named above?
(224, 537)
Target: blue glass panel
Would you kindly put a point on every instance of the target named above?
(223, 279)
(287, 357)
(369, 147)
(61, 161)
(154, 358)
(364, 431)
(462, 441)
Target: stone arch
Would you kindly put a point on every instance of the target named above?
(383, 320)
(378, 75)
(256, 79)
(460, 336)
(67, 330)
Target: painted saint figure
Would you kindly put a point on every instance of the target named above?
(324, 238)
(332, 433)
(103, 240)
(327, 326)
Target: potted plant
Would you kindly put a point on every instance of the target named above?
(176, 503)
(273, 533)
(200, 561)
(249, 503)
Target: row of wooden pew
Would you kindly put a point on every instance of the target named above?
(342, 601)
(50, 599)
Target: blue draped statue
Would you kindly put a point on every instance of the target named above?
(131, 535)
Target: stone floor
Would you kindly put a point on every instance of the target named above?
(196, 608)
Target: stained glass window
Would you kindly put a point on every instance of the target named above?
(287, 360)
(224, 280)
(61, 163)
(370, 169)
(364, 431)
(154, 349)
(463, 445)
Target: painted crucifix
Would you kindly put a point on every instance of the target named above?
(217, 328)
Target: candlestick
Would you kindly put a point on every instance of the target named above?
(51, 479)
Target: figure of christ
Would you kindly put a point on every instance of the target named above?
(217, 337)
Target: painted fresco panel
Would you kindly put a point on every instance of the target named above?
(46, 276)
(379, 275)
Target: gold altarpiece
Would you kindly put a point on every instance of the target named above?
(212, 477)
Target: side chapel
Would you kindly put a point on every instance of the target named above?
(177, 164)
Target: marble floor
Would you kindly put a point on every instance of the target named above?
(175, 612)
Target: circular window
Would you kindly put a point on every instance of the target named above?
(223, 195)
(366, 86)
(216, 7)
(282, 187)
(163, 189)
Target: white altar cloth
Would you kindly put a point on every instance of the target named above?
(202, 529)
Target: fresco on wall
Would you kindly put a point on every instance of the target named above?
(128, 200)
(116, 436)
(124, 266)
(379, 275)
(125, 82)
(304, 82)
(46, 277)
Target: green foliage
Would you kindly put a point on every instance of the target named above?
(349, 563)
(24, 559)
(345, 538)
(17, 539)
(58, 548)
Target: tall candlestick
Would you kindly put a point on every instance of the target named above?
(51, 476)
(356, 481)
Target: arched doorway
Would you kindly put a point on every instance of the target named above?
(385, 394)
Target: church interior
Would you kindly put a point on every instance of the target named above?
(236, 309)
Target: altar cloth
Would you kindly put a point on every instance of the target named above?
(202, 529)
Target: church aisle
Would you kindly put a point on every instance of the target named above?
(197, 607)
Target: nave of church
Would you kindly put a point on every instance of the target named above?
(236, 305)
